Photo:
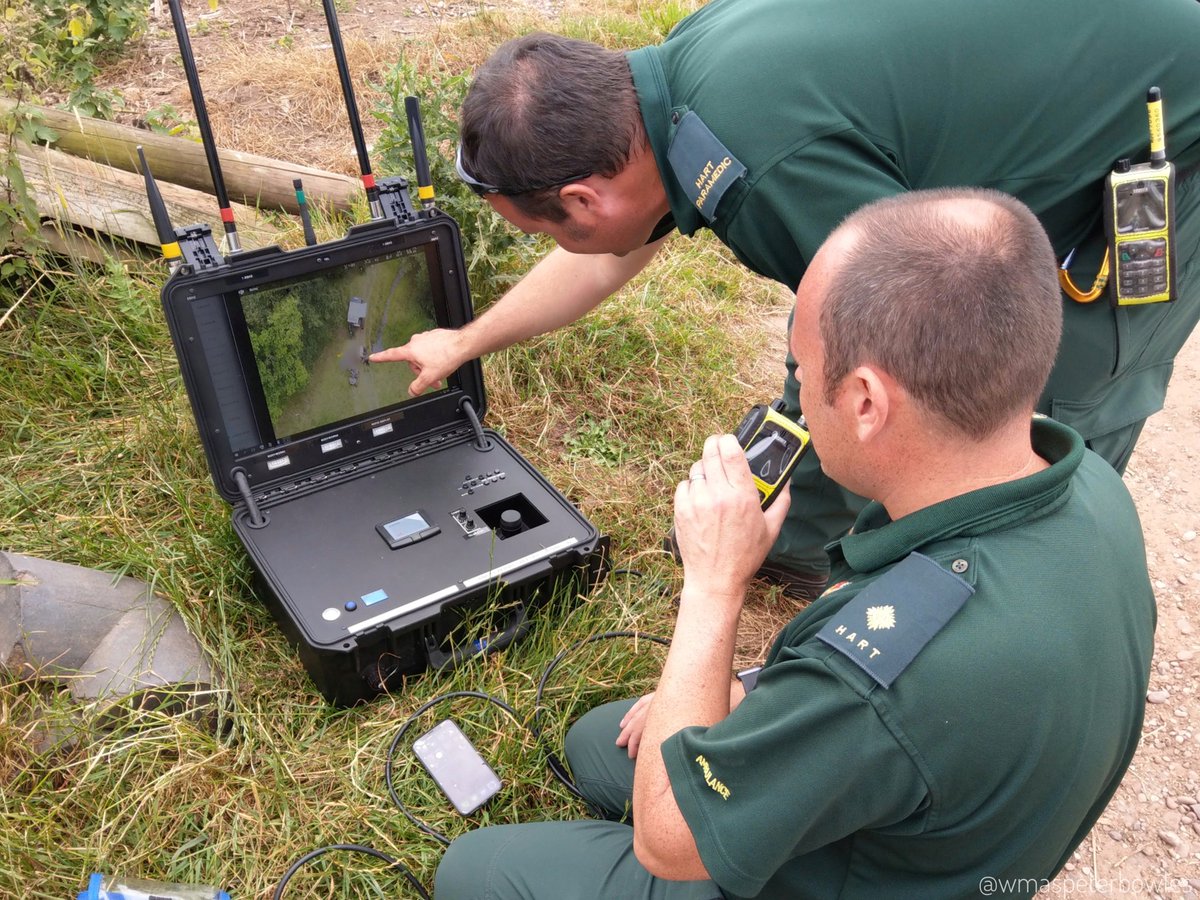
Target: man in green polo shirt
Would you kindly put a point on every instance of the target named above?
(768, 121)
(955, 711)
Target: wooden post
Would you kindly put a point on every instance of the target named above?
(104, 199)
(255, 180)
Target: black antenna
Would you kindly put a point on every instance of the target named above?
(206, 135)
(162, 219)
(360, 144)
(416, 134)
(310, 236)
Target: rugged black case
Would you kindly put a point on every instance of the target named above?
(309, 509)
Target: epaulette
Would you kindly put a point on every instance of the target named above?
(703, 166)
(892, 619)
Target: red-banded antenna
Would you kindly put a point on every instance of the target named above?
(360, 144)
(206, 135)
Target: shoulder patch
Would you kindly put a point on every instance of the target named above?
(884, 628)
(703, 167)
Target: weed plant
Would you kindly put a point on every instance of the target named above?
(101, 466)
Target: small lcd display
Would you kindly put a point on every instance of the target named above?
(406, 527)
(770, 453)
(1141, 206)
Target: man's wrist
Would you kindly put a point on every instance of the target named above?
(716, 601)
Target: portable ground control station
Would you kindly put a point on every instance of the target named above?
(377, 523)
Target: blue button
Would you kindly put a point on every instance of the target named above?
(374, 597)
(351, 606)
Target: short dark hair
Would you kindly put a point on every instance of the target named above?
(959, 304)
(545, 108)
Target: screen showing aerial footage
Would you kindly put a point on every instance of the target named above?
(311, 340)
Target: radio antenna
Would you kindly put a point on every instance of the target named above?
(416, 134)
(162, 219)
(206, 135)
(360, 144)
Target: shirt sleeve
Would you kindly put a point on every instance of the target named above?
(802, 762)
(790, 207)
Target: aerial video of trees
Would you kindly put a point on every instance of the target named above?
(288, 329)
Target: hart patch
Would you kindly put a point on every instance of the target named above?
(884, 628)
(704, 168)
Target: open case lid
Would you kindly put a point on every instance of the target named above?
(272, 349)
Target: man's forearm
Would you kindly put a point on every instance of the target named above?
(694, 690)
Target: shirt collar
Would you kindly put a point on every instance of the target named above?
(877, 541)
(659, 119)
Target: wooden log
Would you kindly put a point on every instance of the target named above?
(255, 180)
(85, 193)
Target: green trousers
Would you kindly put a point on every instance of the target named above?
(1111, 374)
(573, 860)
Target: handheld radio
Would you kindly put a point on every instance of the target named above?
(1139, 218)
(774, 444)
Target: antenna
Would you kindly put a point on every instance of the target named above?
(416, 134)
(162, 219)
(310, 237)
(360, 144)
(206, 135)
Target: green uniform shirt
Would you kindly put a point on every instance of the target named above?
(829, 104)
(1028, 615)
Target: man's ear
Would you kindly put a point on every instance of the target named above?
(582, 201)
(869, 393)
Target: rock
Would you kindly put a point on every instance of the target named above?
(1189, 536)
(1118, 836)
(1172, 803)
(1171, 839)
(1185, 654)
(1158, 696)
(1184, 626)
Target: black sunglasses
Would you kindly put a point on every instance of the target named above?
(481, 188)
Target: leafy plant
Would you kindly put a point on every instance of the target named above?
(496, 253)
(593, 439)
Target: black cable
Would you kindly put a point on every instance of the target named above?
(557, 767)
(387, 769)
(357, 848)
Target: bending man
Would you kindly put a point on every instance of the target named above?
(768, 121)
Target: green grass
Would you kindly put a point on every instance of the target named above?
(101, 466)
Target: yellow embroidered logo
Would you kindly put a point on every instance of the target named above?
(709, 176)
(714, 783)
(881, 617)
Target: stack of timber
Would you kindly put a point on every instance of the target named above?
(91, 180)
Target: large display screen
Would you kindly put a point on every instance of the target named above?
(289, 358)
(311, 340)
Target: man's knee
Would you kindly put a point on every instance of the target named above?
(602, 771)
(469, 867)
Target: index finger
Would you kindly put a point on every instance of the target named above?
(391, 354)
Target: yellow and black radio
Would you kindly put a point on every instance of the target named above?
(774, 445)
(1139, 218)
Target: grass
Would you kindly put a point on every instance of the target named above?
(101, 466)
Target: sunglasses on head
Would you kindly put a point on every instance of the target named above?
(481, 188)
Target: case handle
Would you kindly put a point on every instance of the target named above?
(518, 626)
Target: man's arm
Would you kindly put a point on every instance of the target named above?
(558, 290)
(723, 537)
